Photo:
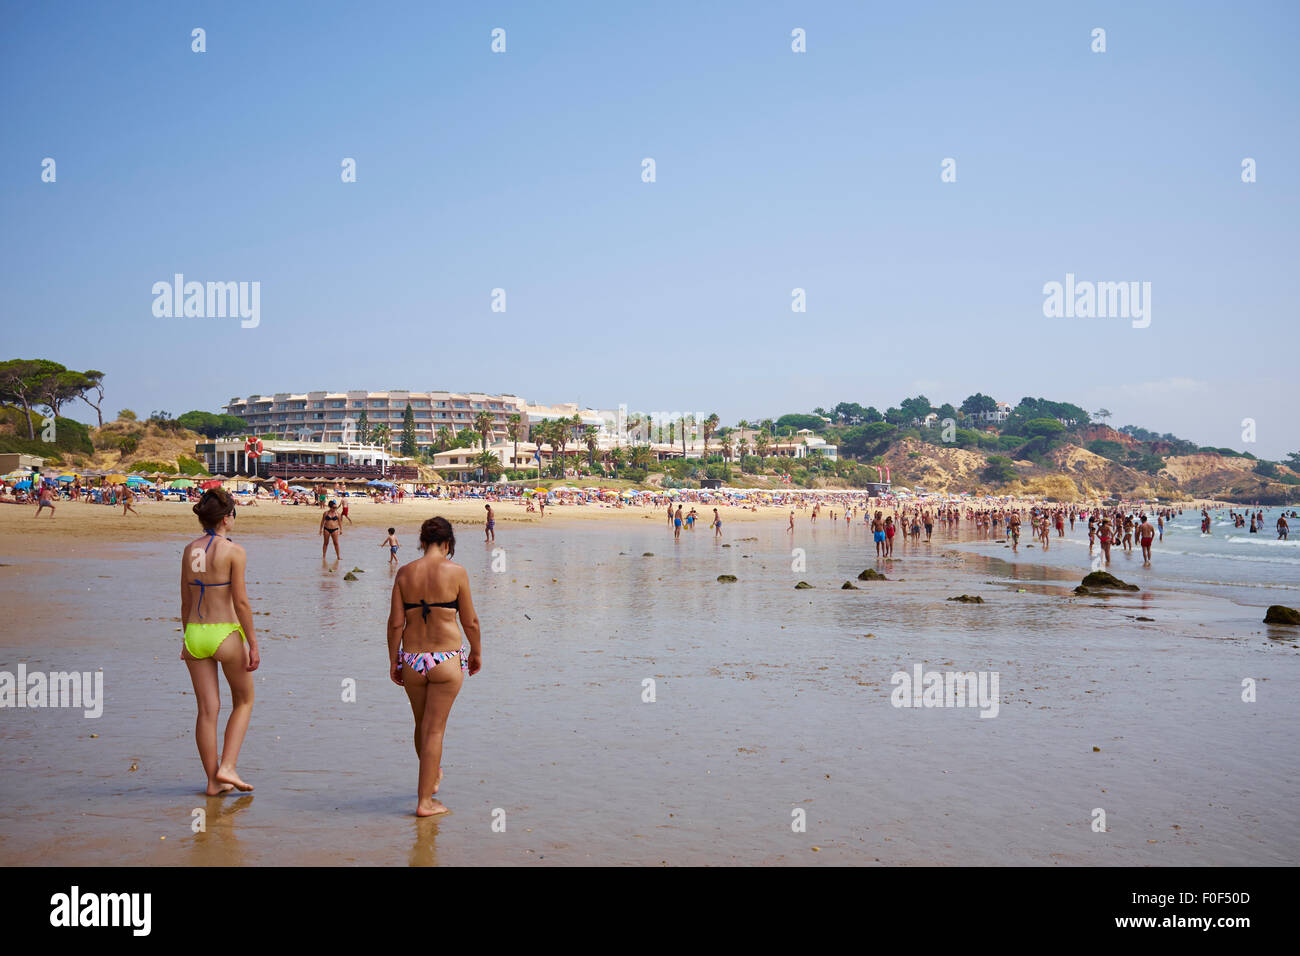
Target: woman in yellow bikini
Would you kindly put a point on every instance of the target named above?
(425, 655)
(218, 620)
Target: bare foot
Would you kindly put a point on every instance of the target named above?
(438, 783)
(217, 789)
(429, 807)
(229, 776)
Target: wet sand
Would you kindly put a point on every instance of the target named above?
(768, 700)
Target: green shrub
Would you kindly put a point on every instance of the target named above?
(189, 466)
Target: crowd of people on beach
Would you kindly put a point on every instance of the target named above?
(430, 595)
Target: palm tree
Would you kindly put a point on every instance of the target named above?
(769, 426)
(380, 435)
(727, 448)
(685, 419)
(761, 444)
(591, 438)
(483, 425)
(488, 463)
(710, 426)
(515, 424)
(633, 425)
(554, 433)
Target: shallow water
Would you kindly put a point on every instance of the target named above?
(768, 700)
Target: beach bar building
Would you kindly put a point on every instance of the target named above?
(305, 459)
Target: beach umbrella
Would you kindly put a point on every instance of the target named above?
(114, 479)
(181, 483)
(67, 478)
(23, 484)
(210, 483)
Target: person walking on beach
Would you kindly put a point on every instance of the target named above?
(677, 524)
(878, 534)
(717, 524)
(1013, 529)
(44, 499)
(1146, 534)
(670, 514)
(391, 541)
(1283, 529)
(1104, 535)
(791, 528)
(345, 512)
(128, 497)
(489, 529)
(331, 528)
(214, 608)
(426, 656)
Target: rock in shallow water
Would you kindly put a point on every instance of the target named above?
(727, 578)
(968, 599)
(801, 585)
(1104, 579)
(1281, 614)
(871, 574)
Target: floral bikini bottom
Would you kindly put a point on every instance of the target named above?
(424, 662)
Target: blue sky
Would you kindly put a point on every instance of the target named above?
(775, 170)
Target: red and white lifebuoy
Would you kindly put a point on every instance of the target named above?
(253, 446)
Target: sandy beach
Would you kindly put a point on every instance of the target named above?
(768, 700)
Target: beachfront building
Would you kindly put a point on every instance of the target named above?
(19, 461)
(305, 459)
(1000, 414)
(332, 416)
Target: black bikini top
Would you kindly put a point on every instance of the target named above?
(427, 606)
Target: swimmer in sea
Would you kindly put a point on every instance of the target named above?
(218, 621)
(426, 656)
(391, 541)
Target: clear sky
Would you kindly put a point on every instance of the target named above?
(775, 170)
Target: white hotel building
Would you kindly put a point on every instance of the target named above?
(332, 416)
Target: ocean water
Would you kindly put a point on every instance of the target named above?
(767, 701)
(1250, 569)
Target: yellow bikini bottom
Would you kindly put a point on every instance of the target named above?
(203, 639)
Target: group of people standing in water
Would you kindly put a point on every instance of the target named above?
(430, 603)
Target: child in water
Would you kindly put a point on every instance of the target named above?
(391, 541)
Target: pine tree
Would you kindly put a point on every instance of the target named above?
(408, 433)
(363, 427)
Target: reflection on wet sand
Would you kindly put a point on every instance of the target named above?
(218, 843)
(424, 851)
